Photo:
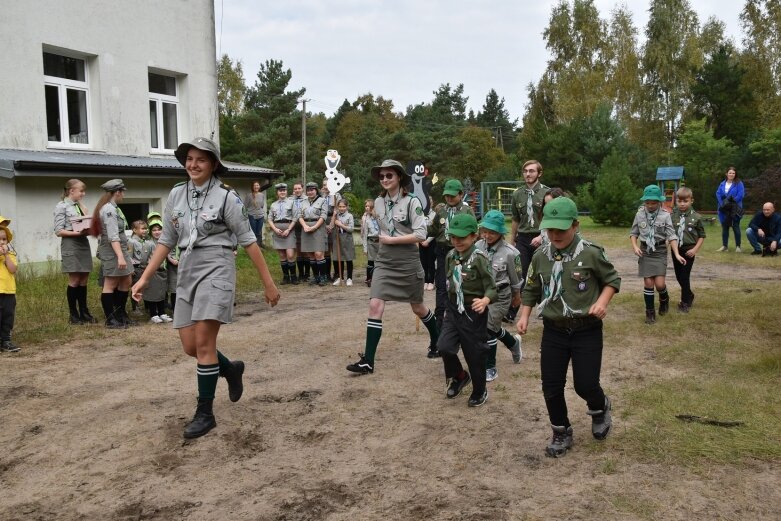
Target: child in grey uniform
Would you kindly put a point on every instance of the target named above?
(74, 249)
(158, 284)
(505, 263)
(344, 223)
(370, 237)
(201, 217)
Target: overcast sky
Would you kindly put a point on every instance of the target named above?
(404, 49)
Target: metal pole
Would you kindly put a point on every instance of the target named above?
(303, 143)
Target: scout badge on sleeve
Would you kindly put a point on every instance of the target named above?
(420, 183)
(336, 180)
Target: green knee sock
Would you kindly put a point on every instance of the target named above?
(207, 380)
(431, 325)
(225, 363)
(373, 334)
(648, 296)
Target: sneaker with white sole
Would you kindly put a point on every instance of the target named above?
(516, 349)
(601, 421)
(349, 282)
(723, 248)
(337, 282)
(491, 374)
(166, 318)
(362, 366)
(738, 250)
(156, 319)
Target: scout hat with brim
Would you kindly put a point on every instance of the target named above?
(312, 186)
(494, 221)
(205, 144)
(153, 216)
(462, 225)
(153, 222)
(115, 185)
(4, 221)
(393, 165)
(652, 193)
(453, 187)
(559, 214)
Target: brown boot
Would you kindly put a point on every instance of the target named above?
(650, 316)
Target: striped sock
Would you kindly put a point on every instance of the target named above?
(490, 359)
(648, 296)
(207, 380)
(506, 338)
(373, 334)
(431, 324)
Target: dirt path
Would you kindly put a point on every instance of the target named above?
(93, 430)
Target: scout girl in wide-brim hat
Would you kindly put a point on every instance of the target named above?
(205, 144)
(404, 178)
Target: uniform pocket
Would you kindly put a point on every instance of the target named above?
(221, 293)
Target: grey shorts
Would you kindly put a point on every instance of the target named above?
(499, 309)
(205, 286)
(213, 301)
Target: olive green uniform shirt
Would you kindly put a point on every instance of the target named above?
(690, 229)
(520, 202)
(477, 278)
(582, 279)
(441, 222)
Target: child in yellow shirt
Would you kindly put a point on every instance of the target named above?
(7, 287)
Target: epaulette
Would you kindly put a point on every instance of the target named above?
(180, 184)
(226, 186)
(481, 252)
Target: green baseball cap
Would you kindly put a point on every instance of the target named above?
(559, 214)
(155, 222)
(652, 193)
(453, 187)
(494, 221)
(462, 225)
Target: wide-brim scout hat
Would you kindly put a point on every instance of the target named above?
(394, 165)
(4, 221)
(153, 216)
(462, 225)
(205, 144)
(652, 193)
(494, 221)
(280, 186)
(115, 185)
(559, 214)
(9, 235)
(453, 187)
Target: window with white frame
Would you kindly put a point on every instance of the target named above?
(66, 81)
(163, 112)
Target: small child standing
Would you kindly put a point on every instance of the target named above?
(172, 272)
(370, 237)
(691, 236)
(505, 262)
(7, 287)
(652, 229)
(471, 288)
(154, 296)
(344, 223)
(569, 268)
(140, 251)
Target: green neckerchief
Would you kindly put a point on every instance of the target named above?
(553, 290)
(121, 215)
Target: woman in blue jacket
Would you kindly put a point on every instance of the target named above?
(730, 197)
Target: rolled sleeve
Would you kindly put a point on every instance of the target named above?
(417, 219)
(237, 221)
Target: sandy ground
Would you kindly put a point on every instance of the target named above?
(92, 430)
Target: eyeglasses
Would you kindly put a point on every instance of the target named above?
(386, 176)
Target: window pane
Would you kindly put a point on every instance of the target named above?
(77, 116)
(63, 67)
(169, 125)
(53, 113)
(162, 84)
(153, 122)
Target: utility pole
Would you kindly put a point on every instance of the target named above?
(303, 142)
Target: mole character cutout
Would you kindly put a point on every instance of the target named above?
(420, 183)
(335, 180)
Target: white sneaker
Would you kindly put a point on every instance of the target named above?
(738, 250)
(156, 320)
(723, 248)
(491, 374)
(337, 282)
(166, 318)
(349, 282)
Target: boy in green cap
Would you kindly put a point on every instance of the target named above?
(505, 262)
(571, 281)
(652, 229)
(471, 288)
(453, 193)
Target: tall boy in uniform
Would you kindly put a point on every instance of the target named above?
(572, 282)
(455, 205)
(527, 203)
(471, 288)
(691, 235)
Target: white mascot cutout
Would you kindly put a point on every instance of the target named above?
(335, 179)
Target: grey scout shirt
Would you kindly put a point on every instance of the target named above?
(140, 250)
(347, 219)
(281, 211)
(63, 212)
(217, 214)
(402, 215)
(113, 225)
(661, 224)
(505, 261)
(312, 211)
(520, 207)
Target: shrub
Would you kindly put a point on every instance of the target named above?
(612, 199)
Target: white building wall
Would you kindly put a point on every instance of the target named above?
(123, 40)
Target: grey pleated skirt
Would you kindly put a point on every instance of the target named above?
(372, 248)
(108, 260)
(398, 274)
(205, 286)
(283, 243)
(76, 255)
(313, 241)
(157, 288)
(653, 264)
(346, 246)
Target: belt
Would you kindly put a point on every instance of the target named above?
(282, 221)
(311, 220)
(529, 234)
(570, 325)
(500, 287)
(199, 247)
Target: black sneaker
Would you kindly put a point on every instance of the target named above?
(9, 347)
(433, 352)
(294, 280)
(202, 422)
(650, 316)
(683, 307)
(477, 401)
(362, 366)
(560, 443)
(601, 421)
(456, 386)
(75, 319)
(233, 377)
(113, 323)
